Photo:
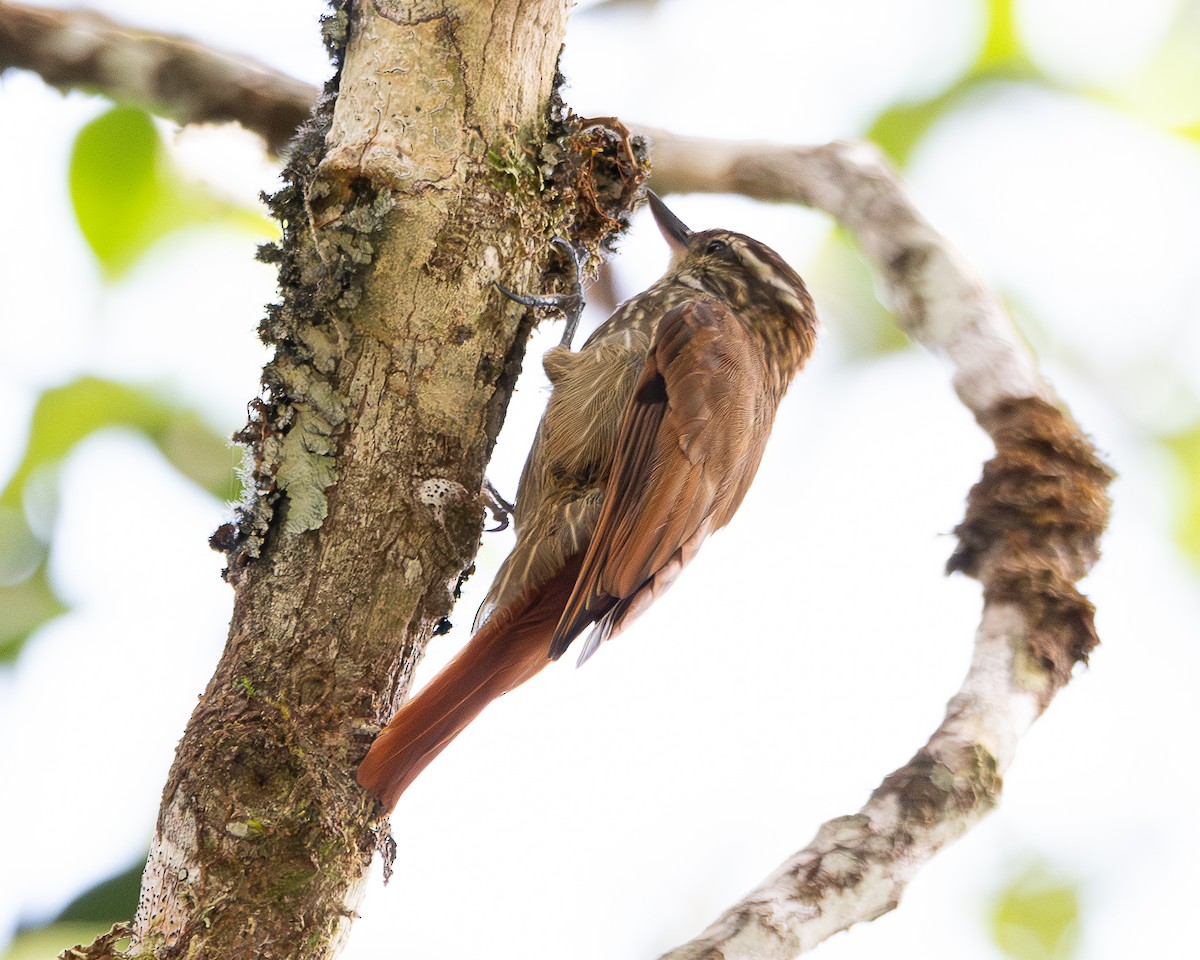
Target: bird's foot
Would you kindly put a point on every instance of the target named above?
(500, 509)
(570, 305)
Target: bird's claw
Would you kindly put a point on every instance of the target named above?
(570, 305)
(550, 301)
(500, 509)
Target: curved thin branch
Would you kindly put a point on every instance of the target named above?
(169, 75)
(1032, 529)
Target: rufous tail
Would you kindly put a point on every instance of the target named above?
(512, 646)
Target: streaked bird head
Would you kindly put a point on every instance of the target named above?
(748, 275)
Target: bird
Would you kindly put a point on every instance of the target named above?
(652, 434)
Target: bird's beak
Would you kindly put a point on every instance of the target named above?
(674, 231)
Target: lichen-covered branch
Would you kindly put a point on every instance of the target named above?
(171, 76)
(1032, 529)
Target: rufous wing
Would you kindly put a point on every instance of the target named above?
(690, 442)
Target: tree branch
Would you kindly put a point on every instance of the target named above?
(1032, 529)
(168, 75)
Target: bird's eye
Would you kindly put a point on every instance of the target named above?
(715, 246)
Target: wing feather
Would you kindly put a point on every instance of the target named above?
(689, 443)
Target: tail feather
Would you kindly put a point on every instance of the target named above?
(512, 646)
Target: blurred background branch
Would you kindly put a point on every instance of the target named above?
(168, 75)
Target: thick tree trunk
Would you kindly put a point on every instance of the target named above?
(421, 179)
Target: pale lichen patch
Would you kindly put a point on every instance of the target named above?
(438, 493)
(172, 872)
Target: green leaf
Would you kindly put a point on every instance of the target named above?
(1191, 131)
(848, 300)
(1002, 55)
(24, 607)
(116, 174)
(62, 417)
(901, 126)
(46, 942)
(21, 551)
(1036, 917)
(65, 415)
(127, 195)
(1167, 91)
(1002, 44)
(109, 901)
(201, 454)
(1184, 447)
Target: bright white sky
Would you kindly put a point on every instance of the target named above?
(613, 811)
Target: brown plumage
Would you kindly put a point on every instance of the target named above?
(652, 435)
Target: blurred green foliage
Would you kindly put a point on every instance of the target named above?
(62, 418)
(1001, 57)
(108, 902)
(863, 326)
(1036, 916)
(1002, 43)
(1184, 448)
(49, 941)
(127, 194)
(65, 415)
(1167, 91)
(86, 917)
(25, 606)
